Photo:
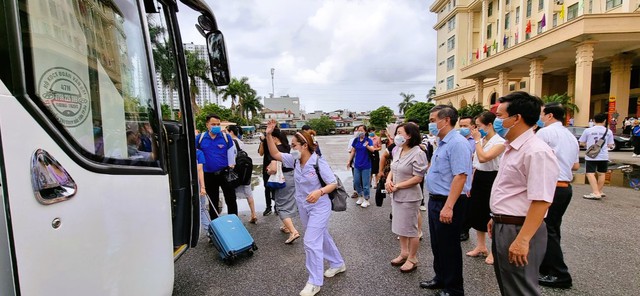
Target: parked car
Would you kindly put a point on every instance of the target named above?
(620, 141)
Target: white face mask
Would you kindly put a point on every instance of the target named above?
(399, 140)
(296, 154)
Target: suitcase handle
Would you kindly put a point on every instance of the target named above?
(215, 208)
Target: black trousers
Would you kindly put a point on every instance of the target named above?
(269, 193)
(213, 182)
(553, 262)
(445, 245)
(636, 145)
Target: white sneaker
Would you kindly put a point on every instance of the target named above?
(635, 155)
(365, 203)
(591, 196)
(331, 272)
(310, 290)
(423, 208)
(360, 200)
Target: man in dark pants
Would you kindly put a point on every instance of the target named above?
(220, 156)
(521, 194)
(448, 177)
(269, 193)
(553, 271)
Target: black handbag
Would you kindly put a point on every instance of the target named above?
(232, 178)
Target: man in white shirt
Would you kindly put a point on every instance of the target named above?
(553, 271)
(599, 163)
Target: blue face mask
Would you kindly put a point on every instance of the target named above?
(501, 130)
(433, 129)
(540, 123)
(464, 131)
(372, 135)
(482, 133)
(216, 130)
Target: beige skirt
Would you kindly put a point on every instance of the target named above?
(405, 218)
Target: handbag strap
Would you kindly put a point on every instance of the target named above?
(317, 168)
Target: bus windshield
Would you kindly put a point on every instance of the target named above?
(87, 62)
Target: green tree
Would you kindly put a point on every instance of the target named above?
(322, 125)
(380, 117)
(472, 110)
(163, 59)
(224, 113)
(166, 111)
(252, 105)
(407, 102)
(431, 95)
(565, 100)
(197, 68)
(238, 90)
(420, 112)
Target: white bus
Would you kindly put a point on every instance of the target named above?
(98, 190)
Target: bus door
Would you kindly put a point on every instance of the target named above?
(83, 155)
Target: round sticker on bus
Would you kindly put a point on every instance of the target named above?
(66, 95)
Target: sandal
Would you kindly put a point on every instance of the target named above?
(396, 262)
(253, 220)
(284, 229)
(292, 238)
(489, 259)
(476, 253)
(414, 266)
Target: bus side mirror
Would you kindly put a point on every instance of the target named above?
(218, 58)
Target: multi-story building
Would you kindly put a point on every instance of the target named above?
(587, 49)
(284, 103)
(207, 95)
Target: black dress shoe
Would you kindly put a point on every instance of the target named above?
(554, 282)
(431, 284)
(464, 236)
(267, 212)
(441, 293)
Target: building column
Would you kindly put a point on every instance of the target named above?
(621, 82)
(535, 76)
(584, 61)
(503, 82)
(479, 88)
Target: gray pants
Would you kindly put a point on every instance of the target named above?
(514, 280)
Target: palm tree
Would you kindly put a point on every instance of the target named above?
(566, 101)
(252, 104)
(238, 90)
(163, 59)
(407, 102)
(197, 68)
(431, 95)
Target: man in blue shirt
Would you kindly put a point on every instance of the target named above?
(447, 179)
(219, 153)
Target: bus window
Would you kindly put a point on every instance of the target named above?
(88, 64)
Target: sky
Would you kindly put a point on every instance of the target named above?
(332, 54)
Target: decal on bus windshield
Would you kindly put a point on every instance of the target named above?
(66, 96)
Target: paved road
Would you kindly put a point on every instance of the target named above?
(600, 239)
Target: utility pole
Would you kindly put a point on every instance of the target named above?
(273, 92)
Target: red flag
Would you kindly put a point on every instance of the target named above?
(485, 48)
(477, 54)
(528, 28)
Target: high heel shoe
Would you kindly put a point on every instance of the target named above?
(414, 266)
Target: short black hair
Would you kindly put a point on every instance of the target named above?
(556, 109)
(473, 122)
(212, 116)
(412, 130)
(600, 118)
(520, 102)
(306, 127)
(233, 128)
(372, 129)
(446, 111)
(486, 117)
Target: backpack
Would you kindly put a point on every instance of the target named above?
(244, 166)
(338, 196)
(594, 149)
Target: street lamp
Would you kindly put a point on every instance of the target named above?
(273, 92)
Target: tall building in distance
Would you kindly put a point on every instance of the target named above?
(168, 96)
(587, 49)
(284, 103)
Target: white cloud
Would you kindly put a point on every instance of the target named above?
(332, 54)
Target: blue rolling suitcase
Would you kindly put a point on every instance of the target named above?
(230, 237)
